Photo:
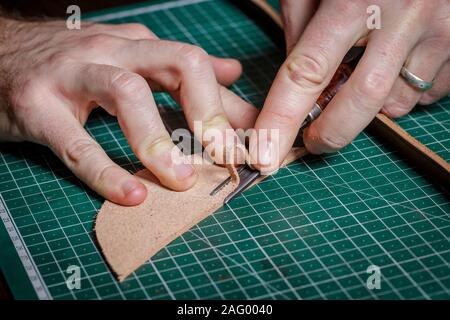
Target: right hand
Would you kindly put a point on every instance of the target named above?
(318, 35)
(55, 77)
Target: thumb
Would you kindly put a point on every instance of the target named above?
(89, 162)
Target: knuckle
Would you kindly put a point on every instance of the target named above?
(308, 71)
(331, 142)
(60, 58)
(194, 57)
(128, 85)
(150, 147)
(282, 116)
(373, 86)
(140, 30)
(395, 110)
(80, 150)
(398, 106)
(101, 177)
(24, 105)
(26, 90)
(25, 94)
(99, 40)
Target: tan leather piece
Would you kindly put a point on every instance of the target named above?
(129, 236)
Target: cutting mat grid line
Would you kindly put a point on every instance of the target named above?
(309, 232)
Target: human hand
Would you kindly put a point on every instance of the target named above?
(318, 35)
(52, 78)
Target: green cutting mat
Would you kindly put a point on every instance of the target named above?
(309, 232)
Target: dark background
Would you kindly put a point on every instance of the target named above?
(57, 8)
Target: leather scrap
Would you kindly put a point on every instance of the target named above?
(129, 236)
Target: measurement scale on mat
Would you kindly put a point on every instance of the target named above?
(23, 253)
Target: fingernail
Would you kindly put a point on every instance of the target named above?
(183, 171)
(265, 153)
(129, 186)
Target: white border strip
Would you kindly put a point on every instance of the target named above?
(146, 9)
(24, 255)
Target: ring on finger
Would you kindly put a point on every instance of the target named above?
(415, 81)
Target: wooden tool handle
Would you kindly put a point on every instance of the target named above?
(340, 77)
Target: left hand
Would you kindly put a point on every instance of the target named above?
(318, 35)
(52, 78)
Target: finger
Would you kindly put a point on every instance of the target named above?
(303, 76)
(227, 71)
(362, 97)
(131, 31)
(127, 95)
(87, 160)
(187, 69)
(441, 87)
(240, 113)
(296, 15)
(425, 61)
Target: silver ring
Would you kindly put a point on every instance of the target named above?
(415, 81)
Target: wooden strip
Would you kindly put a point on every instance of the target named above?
(419, 155)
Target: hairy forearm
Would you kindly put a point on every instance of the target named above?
(12, 24)
(9, 26)
(5, 35)
(10, 42)
(5, 23)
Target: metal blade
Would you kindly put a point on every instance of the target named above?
(247, 177)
